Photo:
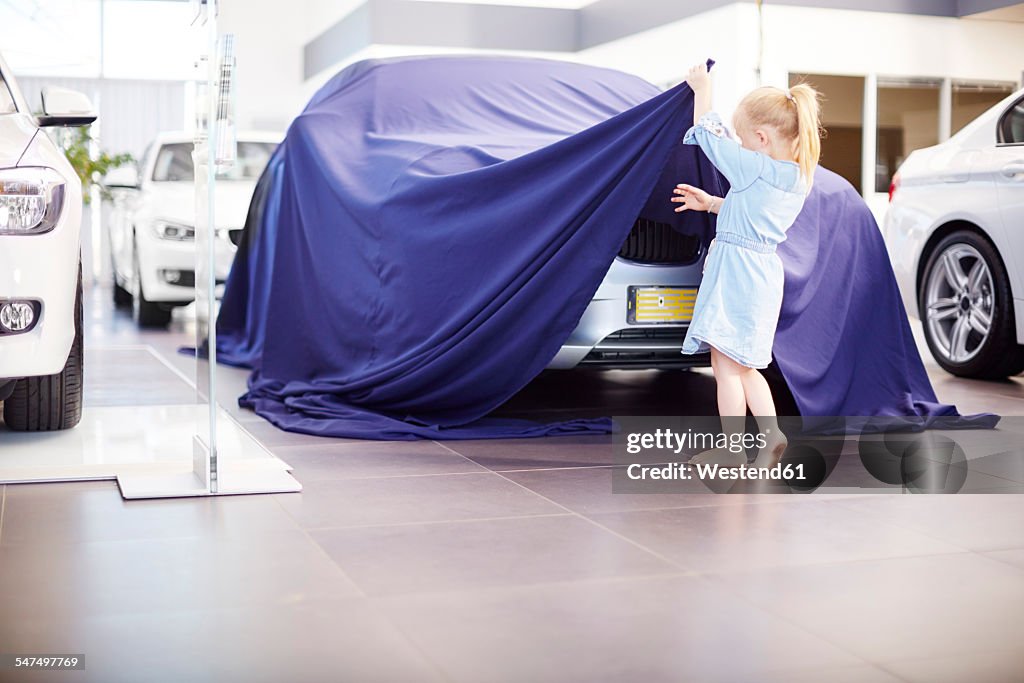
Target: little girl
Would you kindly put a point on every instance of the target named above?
(770, 170)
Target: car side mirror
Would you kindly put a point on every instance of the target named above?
(122, 178)
(64, 107)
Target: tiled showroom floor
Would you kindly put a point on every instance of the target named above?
(503, 560)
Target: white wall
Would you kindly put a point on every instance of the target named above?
(821, 41)
(854, 42)
(663, 55)
(319, 15)
(272, 90)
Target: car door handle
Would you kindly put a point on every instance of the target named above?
(1014, 168)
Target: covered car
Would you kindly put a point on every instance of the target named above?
(435, 231)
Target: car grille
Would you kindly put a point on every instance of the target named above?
(643, 347)
(653, 242)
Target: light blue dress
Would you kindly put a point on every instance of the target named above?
(739, 299)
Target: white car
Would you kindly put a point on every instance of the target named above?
(152, 233)
(40, 262)
(955, 233)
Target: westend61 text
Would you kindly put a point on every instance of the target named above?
(705, 471)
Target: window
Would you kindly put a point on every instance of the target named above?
(100, 38)
(1011, 126)
(842, 117)
(174, 162)
(908, 119)
(971, 100)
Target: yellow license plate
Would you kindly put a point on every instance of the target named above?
(654, 305)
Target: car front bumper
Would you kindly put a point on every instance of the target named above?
(157, 257)
(42, 268)
(604, 339)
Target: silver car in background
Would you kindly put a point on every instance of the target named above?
(955, 233)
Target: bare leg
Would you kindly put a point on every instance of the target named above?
(732, 399)
(762, 406)
(732, 407)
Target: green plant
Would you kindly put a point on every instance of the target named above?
(91, 171)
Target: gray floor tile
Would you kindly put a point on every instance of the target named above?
(322, 641)
(195, 590)
(975, 522)
(1015, 490)
(849, 473)
(64, 513)
(555, 451)
(400, 500)
(1008, 465)
(589, 491)
(865, 673)
(372, 459)
(750, 537)
(489, 553)
(119, 377)
(905, 608)
(665, 629)
(1013, 557)
(1004, 666)
(272, 437)
(167, 575)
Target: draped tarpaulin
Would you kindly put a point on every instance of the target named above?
(843, 343)
(431, 230)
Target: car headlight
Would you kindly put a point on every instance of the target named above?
(169, 230)
(31, 200)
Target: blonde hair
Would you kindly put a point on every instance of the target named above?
(796, 116)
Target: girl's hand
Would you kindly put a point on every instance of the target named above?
(697, 77)
(692, 198)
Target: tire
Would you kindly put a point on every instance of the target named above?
(122, 297)
(53, 402)
(967, 309)
(146, 313)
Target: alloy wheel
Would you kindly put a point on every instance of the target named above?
(959, 302)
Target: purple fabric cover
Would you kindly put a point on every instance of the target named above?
(431, 230)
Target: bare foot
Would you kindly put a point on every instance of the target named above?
(719, 456)
(771, 454)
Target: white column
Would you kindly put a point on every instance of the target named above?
(869, 148)
(945, 109)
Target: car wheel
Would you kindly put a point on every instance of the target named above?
(146, 313)
(967, 309)
(122, 297)
(53, 402)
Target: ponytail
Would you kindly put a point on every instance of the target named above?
(807, 147)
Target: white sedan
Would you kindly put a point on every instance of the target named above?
(40, 262)
(955, 233)
(152, 233)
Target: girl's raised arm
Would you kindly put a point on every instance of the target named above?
(739, 165)
(699, 81)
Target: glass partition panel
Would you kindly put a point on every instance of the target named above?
(213, 154)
